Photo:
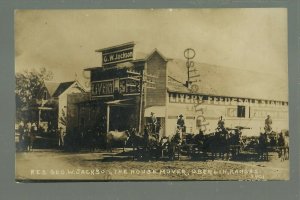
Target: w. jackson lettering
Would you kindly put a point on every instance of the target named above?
(115, 57)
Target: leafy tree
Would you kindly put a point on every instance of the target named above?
(28, 86)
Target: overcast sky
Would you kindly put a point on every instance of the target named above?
(65, 41)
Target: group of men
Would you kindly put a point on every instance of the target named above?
(221, 123)
(27, 135)
(154, 123)
(27, 132)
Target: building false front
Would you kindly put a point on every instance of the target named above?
(127, 88)
(116, 89)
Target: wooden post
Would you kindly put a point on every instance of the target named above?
(107, 118)
(141, 103)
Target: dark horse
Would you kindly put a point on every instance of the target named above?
(171, 145)
(267, 142)
(283, 145)
(144, 146)
(216, 143)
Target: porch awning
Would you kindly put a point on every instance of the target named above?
(159, 111)
(45, 108)
(36, 108)
(122, 102)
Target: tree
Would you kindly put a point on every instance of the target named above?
(28, 86)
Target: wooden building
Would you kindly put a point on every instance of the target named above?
(127, 87)
(50, 108)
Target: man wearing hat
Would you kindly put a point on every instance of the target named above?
(221, 123)
(180, 123)
(268, 124)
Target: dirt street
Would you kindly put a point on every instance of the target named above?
(103, 166)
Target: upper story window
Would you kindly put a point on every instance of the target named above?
(45, 95)
(241, 111)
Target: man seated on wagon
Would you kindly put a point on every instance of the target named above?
(221, 123)
(268, 124)
(181, 123)
(180, 127)
(221, 130)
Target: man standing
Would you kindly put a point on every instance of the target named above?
(268, 124)
(153, 122)
(61, 137)
(21, 136)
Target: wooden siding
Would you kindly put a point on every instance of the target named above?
(157, 66)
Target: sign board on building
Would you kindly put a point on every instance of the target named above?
(117, 54)
(101, 88)
(129, 86)
(218, 100)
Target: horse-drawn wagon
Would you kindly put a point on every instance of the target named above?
(224, 143)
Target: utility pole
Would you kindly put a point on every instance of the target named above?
(141, 101)
(189, 54)
(145, 81)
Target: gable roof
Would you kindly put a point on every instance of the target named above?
(231, 82)
(62, 87)
(51, 87)
(140, 56)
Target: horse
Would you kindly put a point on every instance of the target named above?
(91, 140)
(144, 146)
(283, 146)
(174, 144)
(137, 142)
(235, 142)
(217, 143)
(273, 142)
(262, 146)
(116, 136)
(151, 143)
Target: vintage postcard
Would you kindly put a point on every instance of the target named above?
(151, 94)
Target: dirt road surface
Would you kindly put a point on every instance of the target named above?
(103, 166)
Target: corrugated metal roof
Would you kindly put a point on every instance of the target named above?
(176, 86)
(232, 82)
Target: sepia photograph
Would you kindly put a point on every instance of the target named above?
(151, 94)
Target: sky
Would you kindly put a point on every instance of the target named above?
(64, 41)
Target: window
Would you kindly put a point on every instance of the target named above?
(241, 111)
(45, 95)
